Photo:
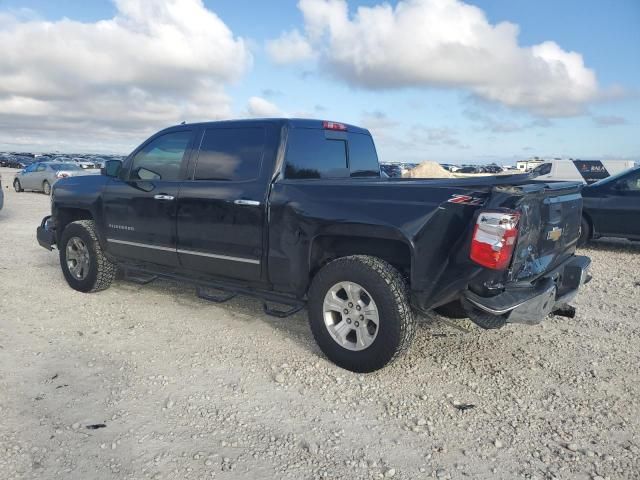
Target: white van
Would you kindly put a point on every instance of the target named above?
(587, 171)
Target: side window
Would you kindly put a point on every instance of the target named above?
(41, 167)
(631, 183)
(311, 155)
(233, 154)
(31, 168)
(363, 160)
(161, 158)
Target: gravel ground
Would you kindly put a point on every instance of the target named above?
(182, 388)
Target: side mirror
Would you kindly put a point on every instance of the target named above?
(111, 168)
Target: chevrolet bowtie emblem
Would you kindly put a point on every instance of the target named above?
(554, 234)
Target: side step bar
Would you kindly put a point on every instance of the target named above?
(219, 292)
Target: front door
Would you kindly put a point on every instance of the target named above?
(620, 207)
(221, 210)
(140, 206)
(28, 179)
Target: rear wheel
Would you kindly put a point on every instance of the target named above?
(83, 262)
(359, 313)
(46, 188)
(585, 232)
(16, 186)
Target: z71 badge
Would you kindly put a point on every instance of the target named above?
(466, 200)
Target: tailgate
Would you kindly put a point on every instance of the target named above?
(549, 226)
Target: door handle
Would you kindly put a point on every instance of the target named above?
(164, 197)
(242, 201)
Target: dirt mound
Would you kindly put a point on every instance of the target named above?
(428, 170)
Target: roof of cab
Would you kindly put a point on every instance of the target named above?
(290, 122)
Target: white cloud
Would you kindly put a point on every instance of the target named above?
(445, 43)
(155, 63)
(258, 107)
(289, 48)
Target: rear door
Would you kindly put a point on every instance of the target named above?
(140, 206)
(221, 208)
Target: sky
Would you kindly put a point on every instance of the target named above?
(473, 81)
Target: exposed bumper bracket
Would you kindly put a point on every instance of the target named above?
(532, 305)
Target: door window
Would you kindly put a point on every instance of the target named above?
(631, 183)
(230, 154)
(31, 168)
(41, 168)
(161, 158)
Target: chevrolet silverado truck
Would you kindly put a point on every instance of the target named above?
(296, 213)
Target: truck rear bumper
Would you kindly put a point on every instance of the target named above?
(45, 234)
(532, 304)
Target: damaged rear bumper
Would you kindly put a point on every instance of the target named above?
(46, 234)
(531, 304)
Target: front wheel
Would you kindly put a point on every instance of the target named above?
(359, 313)
(84, 265)
(46, 188)
(16, 186)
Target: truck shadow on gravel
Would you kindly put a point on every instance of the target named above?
(296, 327)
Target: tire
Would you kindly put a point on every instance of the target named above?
(46, 188)
(99, 272)
(585, 232)
(453, 310)
(17, 187)
(379, 283)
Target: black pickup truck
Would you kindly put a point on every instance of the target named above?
(297, 213)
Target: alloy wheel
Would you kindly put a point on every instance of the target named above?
(351, 316)
(78, 258)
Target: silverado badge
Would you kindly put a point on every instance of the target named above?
(554, 234)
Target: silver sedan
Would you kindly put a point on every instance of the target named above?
(40, 176)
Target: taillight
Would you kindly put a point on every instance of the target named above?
(494, 239)
(62, 175)
(334, 126)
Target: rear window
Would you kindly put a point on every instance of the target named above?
(231, 154)
(312, 153)
(64, 166)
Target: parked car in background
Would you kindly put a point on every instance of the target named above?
(493, 168)
(586, 171)
(611, 207)
(1, 194)
(391, 169)
(41, 176)
(83, 163)
(20, 162)
(469, 169)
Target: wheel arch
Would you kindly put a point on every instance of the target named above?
(592, 231)
(67, 215)
(327, 247)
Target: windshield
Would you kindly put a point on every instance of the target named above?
(615, 177)
(64, 166)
